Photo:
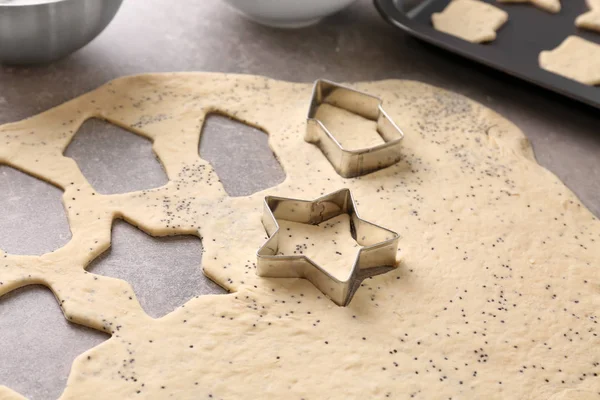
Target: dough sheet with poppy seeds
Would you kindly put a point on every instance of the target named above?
(496, 295)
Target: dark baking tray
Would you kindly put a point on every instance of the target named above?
(515, 50)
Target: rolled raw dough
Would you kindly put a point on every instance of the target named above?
(363, 133)
(327, 244)
(552, 6)
(496, 297)
(575, 58)
(591, 19)
(470, 20)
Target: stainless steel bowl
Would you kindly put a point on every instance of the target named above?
(40, 31)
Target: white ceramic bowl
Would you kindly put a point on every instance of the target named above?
(288, 13)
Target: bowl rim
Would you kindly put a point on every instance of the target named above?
(30, 3)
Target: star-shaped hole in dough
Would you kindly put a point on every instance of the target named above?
(575, 58)
(552, 6)
(374, 251)
(590, 20)
(470, 20)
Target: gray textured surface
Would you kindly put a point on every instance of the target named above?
(240, 155)
(120, 162)
(32, 218)
(38, 344)
(156, 35)
(164, 271)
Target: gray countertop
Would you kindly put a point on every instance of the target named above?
(158, 36)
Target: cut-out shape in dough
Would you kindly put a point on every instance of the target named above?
(552, 6)
(470, 20)
(115, 160)
(575, 58)
(248, 165)
(30, 207)
(38, 344)
(171, 278)
(591, 19)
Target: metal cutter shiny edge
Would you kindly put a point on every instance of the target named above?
(353, 163)
(376, 256)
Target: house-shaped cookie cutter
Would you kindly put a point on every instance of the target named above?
(376, 256)
(353, 163)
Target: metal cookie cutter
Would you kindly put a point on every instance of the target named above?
(377, 255)
(352, 163)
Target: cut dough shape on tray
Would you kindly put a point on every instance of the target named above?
(575, 58)
(470, 20)
(496, 296)
(591, 19)
(552, 6)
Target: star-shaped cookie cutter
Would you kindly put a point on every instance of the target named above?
(376, 256)
(353, 163)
